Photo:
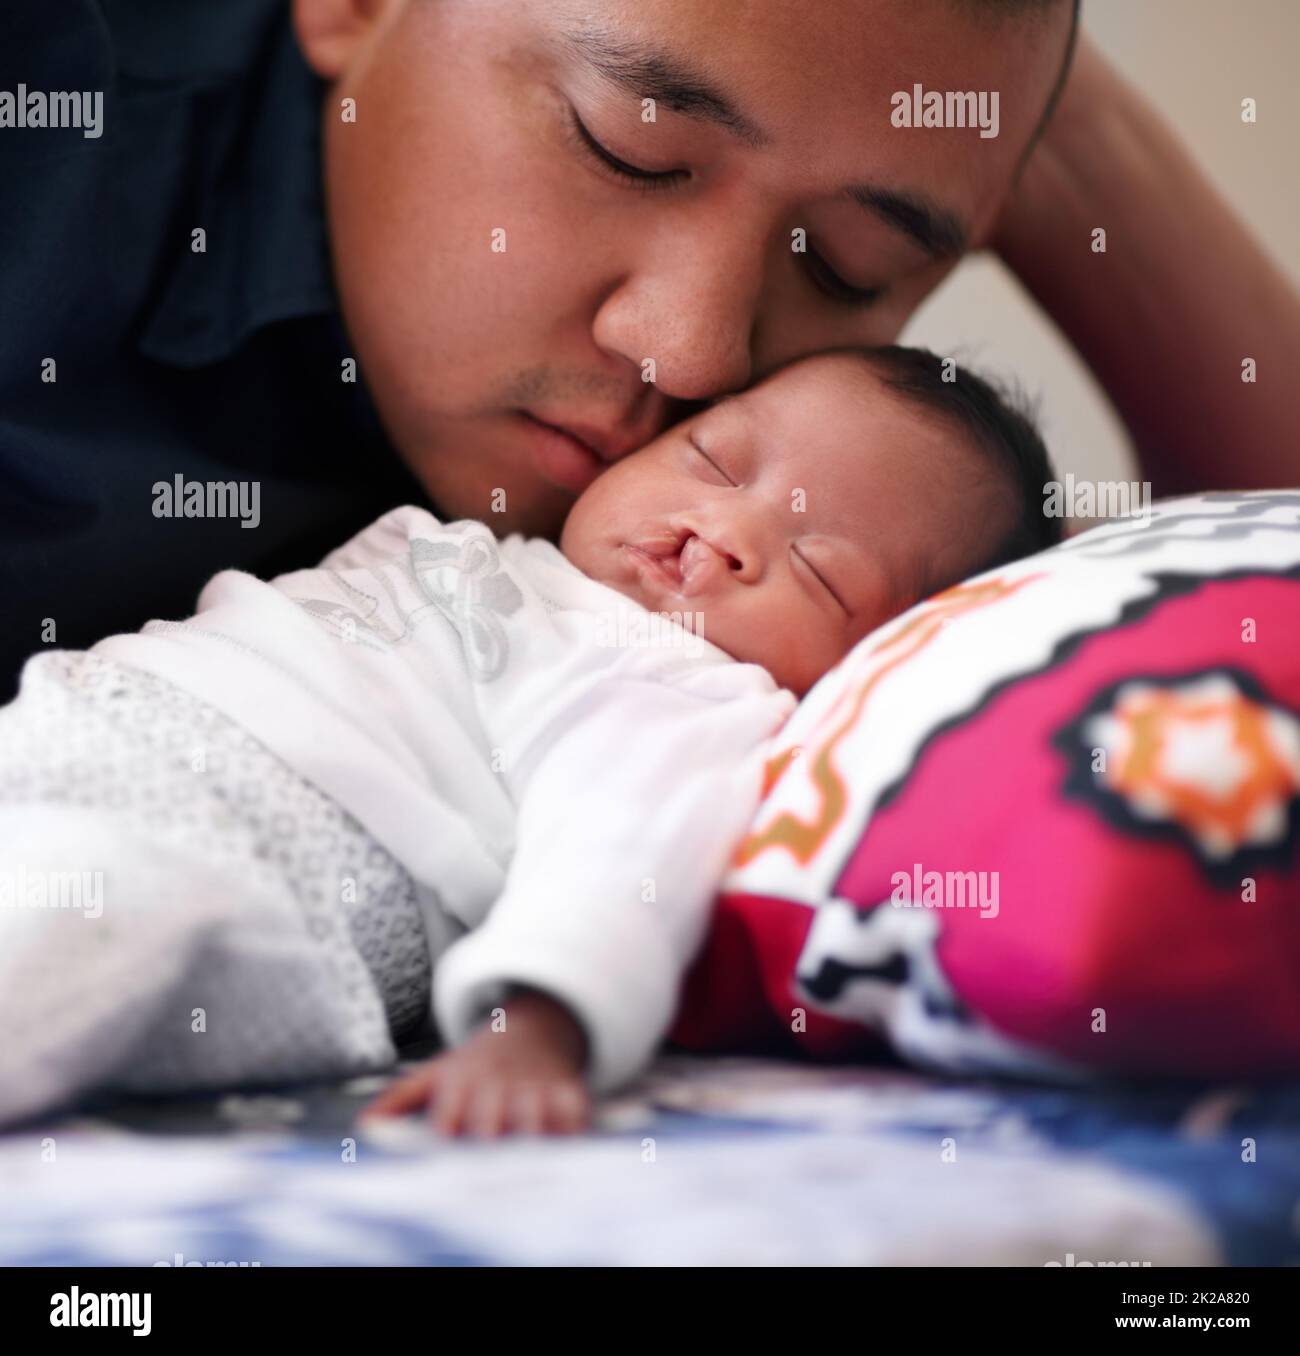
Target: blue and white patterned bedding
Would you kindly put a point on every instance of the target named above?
(706, 1161)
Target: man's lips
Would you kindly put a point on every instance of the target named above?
(572, 454)
(559, 455)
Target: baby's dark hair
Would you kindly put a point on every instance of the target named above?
(996, 419)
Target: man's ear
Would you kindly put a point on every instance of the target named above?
(330, 32)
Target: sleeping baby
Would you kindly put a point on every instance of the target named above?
(484, 787)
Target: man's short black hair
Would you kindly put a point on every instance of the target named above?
(993, 417)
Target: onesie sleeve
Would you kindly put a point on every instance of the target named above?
(627, 822)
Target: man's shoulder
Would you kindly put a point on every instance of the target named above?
(179, 44)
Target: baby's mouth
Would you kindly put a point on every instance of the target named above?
(680, 560)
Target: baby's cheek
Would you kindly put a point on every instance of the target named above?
(738, 623)
(778, 628)
(808, 645)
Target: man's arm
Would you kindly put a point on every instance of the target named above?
(1181, 296)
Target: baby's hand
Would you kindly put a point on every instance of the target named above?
(525, 1079)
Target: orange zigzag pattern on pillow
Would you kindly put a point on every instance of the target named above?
(803, 838)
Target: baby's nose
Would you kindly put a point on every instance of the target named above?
(729, 558)
(740, 546)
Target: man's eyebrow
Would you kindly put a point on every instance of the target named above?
(938, 231)
(650, 73)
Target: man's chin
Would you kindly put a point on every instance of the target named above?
(514, 504)
(473, 471)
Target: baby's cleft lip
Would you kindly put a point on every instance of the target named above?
(698, 564)
(681, 562)
(663, 541)
(661, 571)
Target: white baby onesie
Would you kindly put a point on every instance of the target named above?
(564, 772)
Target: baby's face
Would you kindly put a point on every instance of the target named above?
(795, 517)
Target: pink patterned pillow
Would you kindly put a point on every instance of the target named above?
(1044, 822)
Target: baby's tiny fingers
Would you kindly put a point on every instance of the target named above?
(406, 1094)
(568, 1108)
(486, 1116)
(527, 1113)
(447, 1113)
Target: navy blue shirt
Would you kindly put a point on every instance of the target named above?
(220, 366)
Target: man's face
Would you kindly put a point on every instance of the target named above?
(793, 519)
(498, 274)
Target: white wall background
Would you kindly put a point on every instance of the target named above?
(1195, 60)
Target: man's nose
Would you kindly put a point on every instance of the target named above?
(689, 306)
